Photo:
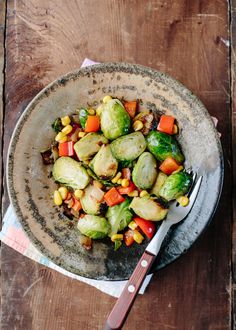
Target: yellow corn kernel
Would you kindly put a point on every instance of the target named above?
(143, 193)
(116, 237)
(59, 136)
(132, 225)
(137, 125)
(138, 237)
(65, 120)
(175, 129)
(91, 111)
(116, 178)
(179, 169)
(81, 134)
(57, 198)
(125, 183)
(63, 139)
(67, 129)
(119, 181)
(106, 98)
(133, 193)
(63, 192)
(78, 193)
(97, 184)
(183, 200)
(99, 110)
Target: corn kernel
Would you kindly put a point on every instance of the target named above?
(67, 129)
(137, 125)
(116, 178)
(138, 237)
(133, 225)
(125, 183)
(65, 120)
(179, 169)
(63, 192)
(99, 110)
(175, 129)
(133, 193)
(117, 237)
(183, 200)
(57, 198)
(143, 193)
(91, 111)
(81, 134)
(63, 139)
(119, 181)
(97, 184)
(78, 193)
(106, 98)
(59, 136)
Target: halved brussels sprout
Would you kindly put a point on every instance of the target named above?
(89, 145)
(145, 171)
(70, 172)
(128, 147)
(115, 121)
(160, 180)
(93, 226)
(119, 216)
(104, 163)
(91, 200)
(176, 185)
(162, 146)
(148, 209)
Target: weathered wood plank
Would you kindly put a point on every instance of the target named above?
(46, 39)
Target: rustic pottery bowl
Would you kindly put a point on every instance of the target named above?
(30, 186)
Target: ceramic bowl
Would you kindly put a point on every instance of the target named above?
(31, 189)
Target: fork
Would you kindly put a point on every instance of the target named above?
(124, 303)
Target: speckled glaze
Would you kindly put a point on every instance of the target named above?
(30, 187)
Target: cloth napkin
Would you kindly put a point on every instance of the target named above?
(13, 235)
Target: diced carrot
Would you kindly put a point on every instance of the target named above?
(129, 237)
(92, 124)
(169, 165)
(166, 124)
(77, 205)
(126, 173)
(113, 197)
(131, 108)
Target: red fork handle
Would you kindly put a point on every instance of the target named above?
(124, 303)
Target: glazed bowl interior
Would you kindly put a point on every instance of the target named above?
(30, 186)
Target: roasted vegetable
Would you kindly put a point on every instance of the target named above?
(148, 209)
(92, 199)
(83, 115)
(89, 145)
(93, 226)
(176, 185)
(95, 177)
(47, 156)
(70, 172)
(145, 171)
(119, 216)
(128, 147)
(104, 164)
(57, 125)
(160, 180)
(115, 121)
(162, 146)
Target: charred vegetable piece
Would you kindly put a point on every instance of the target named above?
(119, 216)
(89, 145)
(83, 115)
(160, 180)
(57, 125)
(115, 121)
(128, 147)
(176, 185)
(70, 172)
(148, 209)
(145, 171)
(162, 146)
(92, 199)
(93, 226)
(47, 156)
(104, 164)
(95, 177)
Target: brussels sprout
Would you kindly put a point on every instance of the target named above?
(104, 163)
(93, 226)
(128, 147)
(115, 121)
(160, 180)
(91, 200)
(148, 209)
(145, 171)
(162, 145)
(95, 177)
(83, 115)
(176, 185)
(89, 145)
(119, 216)
(70, 172)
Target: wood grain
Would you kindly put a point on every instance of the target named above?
(187, 39)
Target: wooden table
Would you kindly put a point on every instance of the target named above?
(192, 41)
